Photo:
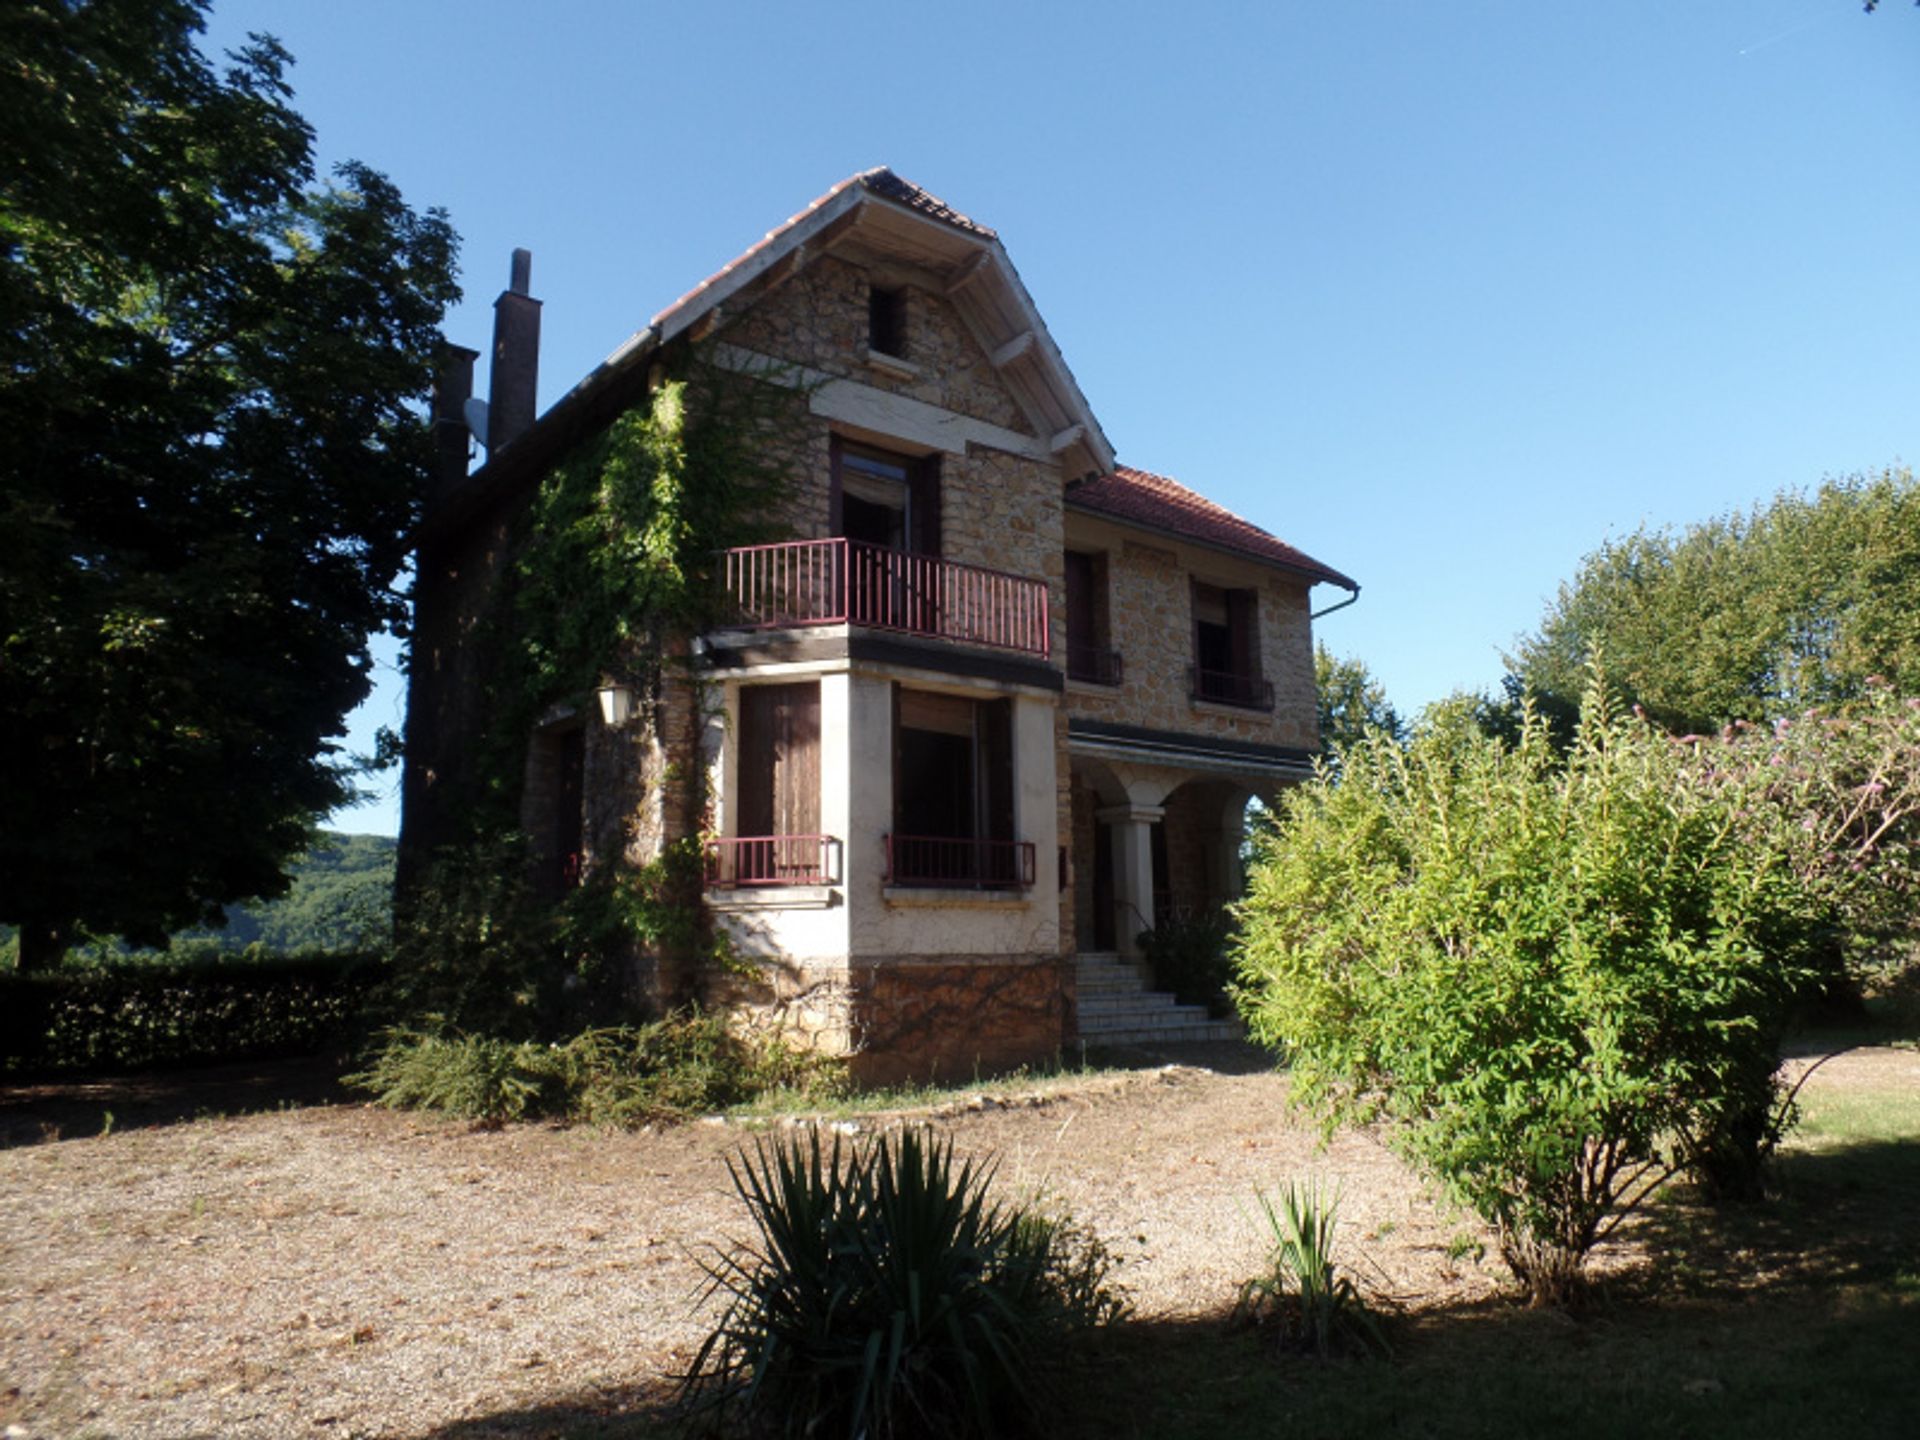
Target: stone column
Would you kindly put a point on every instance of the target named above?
(1132, 871)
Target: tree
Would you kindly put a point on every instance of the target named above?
(210, 372)
(1554, 977)
(1747, 616)
(1352, 702)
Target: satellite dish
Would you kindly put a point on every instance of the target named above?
(475, 413)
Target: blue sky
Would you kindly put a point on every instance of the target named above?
(1444, 294)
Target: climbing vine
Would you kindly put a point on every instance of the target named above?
(614, 574)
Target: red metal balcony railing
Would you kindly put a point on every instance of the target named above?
(753, 860)
(849, 582)
(1227, 687)
(1093, 665)
(936, 860)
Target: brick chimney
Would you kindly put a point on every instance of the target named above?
(452, 387)
(515, 376)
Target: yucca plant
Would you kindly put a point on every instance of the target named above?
(886, 1295)
(1301, 1296)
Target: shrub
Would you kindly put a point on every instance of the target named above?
(1191, 959)
(134, 1013)
(1300, 1296)
(1554, 979)
(887, 1295)
(685, 1065)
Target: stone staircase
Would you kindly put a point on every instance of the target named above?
(1116, 1008)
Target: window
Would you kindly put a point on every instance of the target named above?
(1226, 648)
(777, 819)
(953, 794)
(1089, 656)
(885, 499)
(887, 322)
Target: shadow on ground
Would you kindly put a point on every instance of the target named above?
(38, 1112)
(1794, 1317)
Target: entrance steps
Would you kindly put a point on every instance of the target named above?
(1116, 1008)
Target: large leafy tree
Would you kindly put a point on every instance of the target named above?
(1746, 616)
(1352, 704)
(210, 370)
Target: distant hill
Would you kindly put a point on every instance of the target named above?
(342, 899)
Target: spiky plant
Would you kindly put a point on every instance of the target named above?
(886, 1295)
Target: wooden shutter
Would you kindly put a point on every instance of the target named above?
(1081, 632)
(836, 519)
(996, 764)
(1243, 610)
(779, 760)
(925, 485)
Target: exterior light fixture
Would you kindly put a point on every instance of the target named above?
(616, 705)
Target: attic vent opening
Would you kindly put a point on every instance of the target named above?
(887, 322)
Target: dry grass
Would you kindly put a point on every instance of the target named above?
(335, 1270)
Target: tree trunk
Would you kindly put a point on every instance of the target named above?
(42, 945)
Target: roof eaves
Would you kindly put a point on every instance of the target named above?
(1306, 567)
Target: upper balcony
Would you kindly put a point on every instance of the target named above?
(849, 582)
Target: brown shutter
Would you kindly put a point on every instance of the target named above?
(1243, 610)
(1081, 631)
(996, 759)
(836, 520)
(754, 814)
(798, 801)
(925, 484)
(779, 760)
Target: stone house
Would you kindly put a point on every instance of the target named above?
(995, 705)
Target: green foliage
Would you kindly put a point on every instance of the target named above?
(887, 1295)
(164, 1012)
(1553, 978)
(1352, 703)
(210, 376)
(1190, 958)
(625, 534)
(1746, 616)
(1301, 1297)
(682, 1066)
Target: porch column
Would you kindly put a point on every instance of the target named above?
(1233, 832)
(1132, 871)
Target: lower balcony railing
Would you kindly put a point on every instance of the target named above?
(1228, 687)
(849, 582)
(940, 861)
(755, 860)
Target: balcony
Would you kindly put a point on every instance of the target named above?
(849, 582)
(1228, 687)
(944, 863)
(769, 860)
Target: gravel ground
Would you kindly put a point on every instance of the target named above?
(337, 1270)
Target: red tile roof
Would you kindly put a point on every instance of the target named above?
(878, 181)
(1156, 503)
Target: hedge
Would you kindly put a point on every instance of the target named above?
(137, 1015)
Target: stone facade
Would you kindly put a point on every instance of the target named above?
(1150, 608)
(819, 320)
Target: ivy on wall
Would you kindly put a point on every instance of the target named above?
(615, 571)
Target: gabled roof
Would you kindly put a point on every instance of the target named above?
(879, 212)
(1154, 502)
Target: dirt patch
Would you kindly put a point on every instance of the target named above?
(340, 1270)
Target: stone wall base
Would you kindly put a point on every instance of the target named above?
(915, 1019)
